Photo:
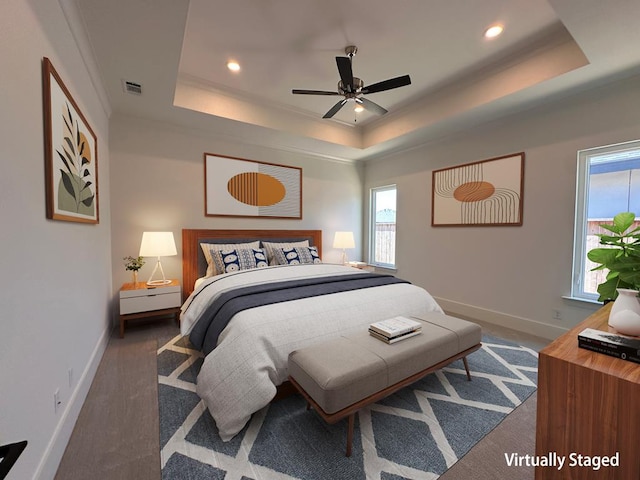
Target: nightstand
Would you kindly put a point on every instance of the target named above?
(139, 300)
(362, 266)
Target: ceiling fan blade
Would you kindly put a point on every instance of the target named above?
(388, 84)
(313, 92)
(346, 74)
(371, 106)
(335, 109)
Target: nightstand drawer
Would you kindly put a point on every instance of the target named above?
(149, 302)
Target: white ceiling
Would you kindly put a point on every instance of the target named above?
(178, 49)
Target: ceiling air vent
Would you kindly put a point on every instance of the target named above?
(132, 87)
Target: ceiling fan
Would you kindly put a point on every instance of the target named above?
(353, 89)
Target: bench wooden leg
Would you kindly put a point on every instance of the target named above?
(466, 367)
(350, 434)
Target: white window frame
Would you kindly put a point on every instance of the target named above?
(372, 225)
(582, 207)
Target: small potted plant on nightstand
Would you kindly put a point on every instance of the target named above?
(134, 264)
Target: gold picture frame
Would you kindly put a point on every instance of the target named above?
(484, 193)
(237, 187)
(71, 154)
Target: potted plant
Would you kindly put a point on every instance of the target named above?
(134, 264)
(620, 255)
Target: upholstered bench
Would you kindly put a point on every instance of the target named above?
(340, 376)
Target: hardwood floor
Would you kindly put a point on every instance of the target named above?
(116, 436)
(117, 432)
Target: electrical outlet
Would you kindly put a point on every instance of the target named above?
(56, 400)
(70, 371)
(557, 314)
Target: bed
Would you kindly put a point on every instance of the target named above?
(246, 355)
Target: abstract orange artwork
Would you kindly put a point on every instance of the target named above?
(237, 187)
(488, 192)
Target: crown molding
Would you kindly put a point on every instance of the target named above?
(78, 30)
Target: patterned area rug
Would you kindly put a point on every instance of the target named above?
(417, 433)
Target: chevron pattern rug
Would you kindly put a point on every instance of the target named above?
(417, 433)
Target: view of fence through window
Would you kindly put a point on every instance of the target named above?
(613, 187)
(383, 241)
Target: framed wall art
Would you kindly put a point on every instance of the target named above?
(488, 192)
(71, 154)
(236, 187)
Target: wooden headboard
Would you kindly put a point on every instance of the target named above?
(194, 264)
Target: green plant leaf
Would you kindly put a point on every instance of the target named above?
(625, 264)
(624, 220)
(612, 274)
(611, 228)
(603, 255)
(632, 277)
(609, 240)
(607, 290)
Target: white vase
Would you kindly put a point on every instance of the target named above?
(625, 312)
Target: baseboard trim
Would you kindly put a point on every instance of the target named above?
(470, 312)
(57, 445)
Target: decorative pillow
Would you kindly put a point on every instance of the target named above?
(207, 248)
(297, 255)
(233, 260)
(271, 248)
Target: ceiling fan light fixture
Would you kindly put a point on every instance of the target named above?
(352, 88)
(493, 31)
(233, 66)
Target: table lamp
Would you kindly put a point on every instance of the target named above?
(344, 240)
(157, 244)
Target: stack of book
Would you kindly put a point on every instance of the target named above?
(395, 329)
(608, 343)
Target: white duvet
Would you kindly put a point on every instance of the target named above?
(239, 377)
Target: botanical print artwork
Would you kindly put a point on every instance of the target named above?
(75, 186)
(71, 155)
(480, 193)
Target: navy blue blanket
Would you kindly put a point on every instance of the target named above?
(215, 318)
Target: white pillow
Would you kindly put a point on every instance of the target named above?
(271, 248)
(207, 248)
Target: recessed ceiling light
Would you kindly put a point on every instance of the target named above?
(493, 31)
(233, 66)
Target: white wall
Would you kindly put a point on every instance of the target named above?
(513, 276)
(56, 276)
(157, 172)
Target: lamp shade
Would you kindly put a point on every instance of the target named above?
(344, 240)
(157, 244)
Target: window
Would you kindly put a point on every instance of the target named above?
(382, 236)
(608, 183)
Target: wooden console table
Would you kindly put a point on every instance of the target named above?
(588, 404)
